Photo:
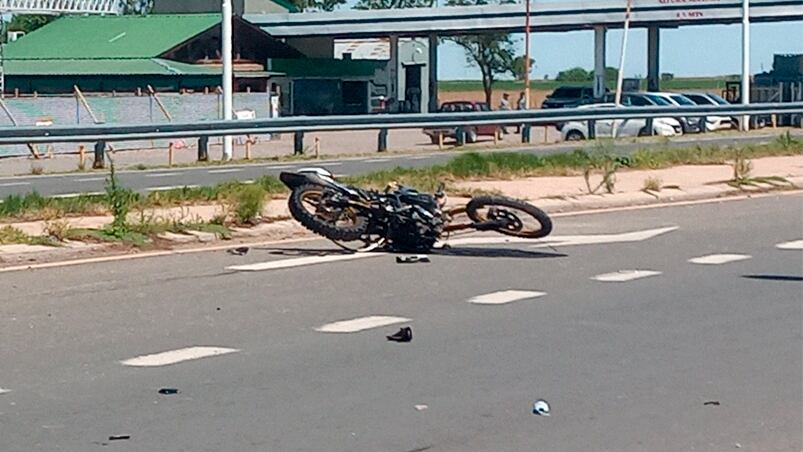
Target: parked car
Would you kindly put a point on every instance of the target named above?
(472, 132)
(578, 130)
(569, 97)
(689, 124)
(634, 99)
(711, 122)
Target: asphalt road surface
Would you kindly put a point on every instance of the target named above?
(161, 179)
(676, 356)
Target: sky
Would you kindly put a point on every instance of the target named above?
(704, 50)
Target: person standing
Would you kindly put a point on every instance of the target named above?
(504, 105)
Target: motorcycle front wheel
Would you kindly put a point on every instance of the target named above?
(308, 205)
(516, 218)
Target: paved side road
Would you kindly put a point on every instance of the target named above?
(634, 346)
(143, 181)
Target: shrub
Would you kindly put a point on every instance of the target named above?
(247, 203)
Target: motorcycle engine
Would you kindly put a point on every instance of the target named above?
(417, 223)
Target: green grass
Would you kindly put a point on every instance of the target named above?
(471, 165)
(505, 165)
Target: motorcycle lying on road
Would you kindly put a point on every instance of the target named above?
(400, 218)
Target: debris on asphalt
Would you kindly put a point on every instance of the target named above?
(241, 251)
(541, 407)
(712, 402)
(738, 446)
(119, 437)
(168, 391)
(421, 407)
(403, 335)
(417, 259)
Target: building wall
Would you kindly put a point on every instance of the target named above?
(123, 109)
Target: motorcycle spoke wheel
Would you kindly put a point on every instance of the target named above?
(518, 218)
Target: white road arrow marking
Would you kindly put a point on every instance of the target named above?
(360, 324)
(568, 240)
(300, 261)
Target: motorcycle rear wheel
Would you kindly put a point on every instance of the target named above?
(486, 208)
(341, 225)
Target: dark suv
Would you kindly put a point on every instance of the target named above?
(569, 97)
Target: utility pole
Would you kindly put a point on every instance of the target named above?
(527, 54)
(619, 78)
(228, 75)
(745, 61)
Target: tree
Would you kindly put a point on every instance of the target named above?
(29, 23)
(492, 53)
(575, 74)
(519, 69)
(137, 7)
(611, 73)
(317, 5)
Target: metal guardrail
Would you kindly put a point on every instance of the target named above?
(131, 132)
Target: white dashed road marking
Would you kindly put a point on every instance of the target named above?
(91, 179)
(505, 296)
(375, 160)
(625, 275)
(177, 356)
(793, 245)
(360, 324)
(281, 166)
(300, 261)
(332, 164)
(161, 175)
(4, 391)
(224, 171)
(419, 157)
(718, 259)
(14, 184)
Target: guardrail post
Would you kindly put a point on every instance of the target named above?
(170, 154)
(100, 155)
(592, 129)
(526, 133)
(203, 149)
(382, 141)
(298, 143)
(703, 125)
(650, 127)
(460, 136)
(81, 157)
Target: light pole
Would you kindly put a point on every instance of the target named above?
(228, 75)
(527, 54)
(745, 61)
(620, 75)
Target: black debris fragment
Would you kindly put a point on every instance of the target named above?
(541, 407)
(403, 335)
(241, 251)
(168, 391)
(712, 402)
(119, 437)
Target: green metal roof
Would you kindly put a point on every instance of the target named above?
(107, 37)
(132, 66)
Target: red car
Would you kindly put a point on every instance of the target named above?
(472, 132)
